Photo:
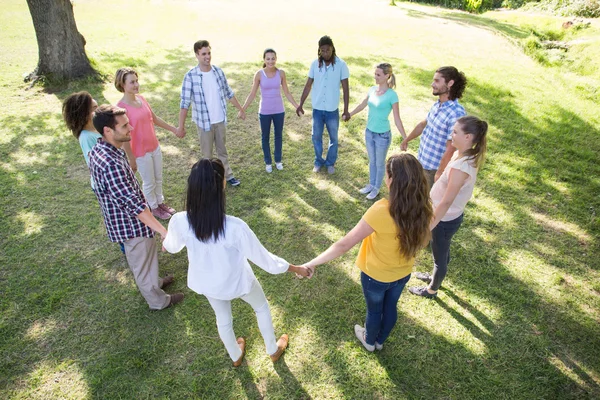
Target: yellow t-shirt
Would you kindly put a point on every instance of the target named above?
(379, 254)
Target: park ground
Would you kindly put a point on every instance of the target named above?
(519, 313)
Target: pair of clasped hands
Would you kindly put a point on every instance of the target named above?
(345, 116)
(303, 271)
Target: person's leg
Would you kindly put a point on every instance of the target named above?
(430, 174)
(441, 238)
(220, 139)
(332, 121)
(146, 169)
(157, 160)
(278, 128)
(390, 308)
(374, 292)
(265, 129)
(256, 298)
(143, 262)
(222, 309)
(382, 144)
(370, 145)
(207, 140)
(318, 117)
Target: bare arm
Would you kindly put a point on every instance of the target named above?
(445, 159)
(158, 121)
(456, 179)
(253, 91)
(130, 156)
(397, 120)
(148, 219)
(305, 92)
(346, 92)
(236, 103)
(358, 233)
(181, 128)
(286, 90)
(360, 107)
(416, 132)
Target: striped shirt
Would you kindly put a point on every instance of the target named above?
(118, 192)
(191, 91)
(440, 121)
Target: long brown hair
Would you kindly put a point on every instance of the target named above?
(410, 206)
(478, 129)
(76, 111)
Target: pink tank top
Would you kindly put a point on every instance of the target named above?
(143, 136)
(271, 101)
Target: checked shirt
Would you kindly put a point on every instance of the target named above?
(118, 193)
(191, 90)
(440, 121)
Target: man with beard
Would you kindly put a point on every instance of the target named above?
(327, 72)
(127, 217)
(435, 149)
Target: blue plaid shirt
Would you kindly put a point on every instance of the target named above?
(440, 121)
(118, 192)
(191, 90)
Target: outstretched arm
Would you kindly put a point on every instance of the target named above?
(360, 107)
(346, 92)
(305, 92)
(286, 91)
(253, 91)
(450, 149)
(414, 134)
(158, 121)
(397, 120)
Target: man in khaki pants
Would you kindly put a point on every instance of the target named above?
(126, 214)
(206, 86)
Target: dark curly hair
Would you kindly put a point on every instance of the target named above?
(459, 78)
(76, 110)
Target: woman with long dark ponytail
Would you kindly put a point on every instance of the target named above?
(392, 233)
(219, 247)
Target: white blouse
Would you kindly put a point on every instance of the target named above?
(220, 269)
(464, 194)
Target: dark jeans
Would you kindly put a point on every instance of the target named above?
(265, 127)
(441, 236)
(382, 300)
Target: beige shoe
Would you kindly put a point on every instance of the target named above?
(242, 343)
(282, 344)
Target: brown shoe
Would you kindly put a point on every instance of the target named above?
(167, 208)
(175, 298)
(167, 280)
(242, 343)
(282, 344)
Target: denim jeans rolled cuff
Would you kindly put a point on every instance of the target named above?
(382, 306)
(377, 147)
(441, 238)
(331, 121)
(265, 128)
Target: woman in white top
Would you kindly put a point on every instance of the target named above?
(219, 247)
(450, 195)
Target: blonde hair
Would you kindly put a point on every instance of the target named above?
(121, 77)
(387, 70)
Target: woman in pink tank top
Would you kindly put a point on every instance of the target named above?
(271, 80)
(144, 151)
(450, 194)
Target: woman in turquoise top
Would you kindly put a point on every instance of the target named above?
(78, 110)
(381, 100)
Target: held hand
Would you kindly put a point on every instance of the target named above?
(304, 272)
(299, 111)
(241, 115)
(180, 132)
(404, 145)
(346, 116)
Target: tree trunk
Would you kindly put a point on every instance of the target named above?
(61, 46)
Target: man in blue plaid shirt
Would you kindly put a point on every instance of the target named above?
(435, 149)
(126, 214)
(206, 87)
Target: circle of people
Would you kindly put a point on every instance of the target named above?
(427, 194)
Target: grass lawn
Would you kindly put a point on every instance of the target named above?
(519, 313)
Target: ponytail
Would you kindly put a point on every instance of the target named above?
(387, 70)
(478, 129)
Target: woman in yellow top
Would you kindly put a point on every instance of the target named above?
(392, 232)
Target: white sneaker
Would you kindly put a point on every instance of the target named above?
(316, 169)
(378, 346)
(279, 166)
(269, 168)
(372, 194)
(359, 331)
(366, 189)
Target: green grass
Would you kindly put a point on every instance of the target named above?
(518, 316)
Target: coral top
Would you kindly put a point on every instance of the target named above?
(143, 136)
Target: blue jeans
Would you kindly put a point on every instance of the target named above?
(441, 236)
(377, 147)
(382, 300)
(265, 127)
(331, 120)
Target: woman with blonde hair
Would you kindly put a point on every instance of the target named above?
(392, 233)
(382, 100)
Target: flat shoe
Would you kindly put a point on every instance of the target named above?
(242, 343)
(282, 344)
(167, 280)
(422, 291)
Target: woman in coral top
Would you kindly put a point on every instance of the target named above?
(392, 233)
(143, 150)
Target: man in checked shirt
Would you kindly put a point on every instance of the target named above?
(206, 87)
(435, 149)
(126, 214)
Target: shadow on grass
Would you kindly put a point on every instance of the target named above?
(67, 298)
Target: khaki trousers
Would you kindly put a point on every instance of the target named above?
(216, 137)
(143, 261)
